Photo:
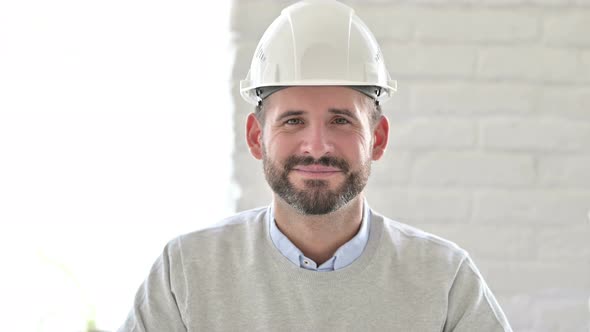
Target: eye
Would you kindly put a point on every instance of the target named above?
(293, 121)
(341, 121)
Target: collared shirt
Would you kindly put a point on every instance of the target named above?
(344, 256)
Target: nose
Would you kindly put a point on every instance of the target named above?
(317, 142)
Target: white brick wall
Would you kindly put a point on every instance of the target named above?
(474, 26)
(567, 29)
(490, 139)
(531, 64)
(548, 134)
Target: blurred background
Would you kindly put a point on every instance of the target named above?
(121, 127)
(115, 136)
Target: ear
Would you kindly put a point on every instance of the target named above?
(380, 138)
(254, 136)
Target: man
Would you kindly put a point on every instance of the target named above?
(318, 258)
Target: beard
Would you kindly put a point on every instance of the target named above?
(316, 198)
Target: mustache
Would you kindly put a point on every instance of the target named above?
(293, 161)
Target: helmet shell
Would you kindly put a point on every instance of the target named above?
(317, 43)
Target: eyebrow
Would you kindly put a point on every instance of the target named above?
(342, 111)
(288, 114)
(339, 111)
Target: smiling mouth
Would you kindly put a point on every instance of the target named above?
(316, 170)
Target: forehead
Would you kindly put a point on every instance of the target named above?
(316, 99)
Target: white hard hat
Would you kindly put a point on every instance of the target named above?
(317, 43)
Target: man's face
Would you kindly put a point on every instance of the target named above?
(317, 144)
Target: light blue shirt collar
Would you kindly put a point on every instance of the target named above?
(344, 256)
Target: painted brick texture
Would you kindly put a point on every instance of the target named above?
(490, 139)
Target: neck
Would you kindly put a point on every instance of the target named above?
(319, 236)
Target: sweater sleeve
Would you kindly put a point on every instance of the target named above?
(471, 304)
(155, 307)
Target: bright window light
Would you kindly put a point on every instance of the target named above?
(116, 135)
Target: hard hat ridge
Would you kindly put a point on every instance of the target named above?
(371, 91)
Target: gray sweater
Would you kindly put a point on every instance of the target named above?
(232, 278)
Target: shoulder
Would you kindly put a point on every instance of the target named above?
(223, 235)
(412, 243)
(228, 225)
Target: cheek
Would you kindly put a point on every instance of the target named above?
(277, 146)
(357, 144)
